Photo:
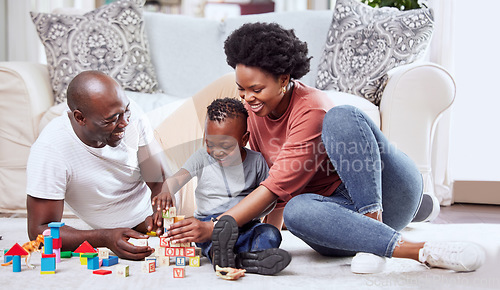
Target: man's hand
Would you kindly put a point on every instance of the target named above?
(117, 241)
(190, 230)
(162, 201)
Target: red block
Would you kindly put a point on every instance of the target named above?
(102, 272)
(49, 255)
(56, 243)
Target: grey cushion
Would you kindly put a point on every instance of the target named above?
(363, 43)
(110, 39)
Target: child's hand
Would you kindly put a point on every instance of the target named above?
(163, 201)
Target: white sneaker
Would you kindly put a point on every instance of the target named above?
(458, 256)
(366, 263)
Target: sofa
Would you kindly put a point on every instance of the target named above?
(187, 55)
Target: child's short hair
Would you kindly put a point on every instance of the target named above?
(221, 109)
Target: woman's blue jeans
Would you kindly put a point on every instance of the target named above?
(375, 176)
(252, 237)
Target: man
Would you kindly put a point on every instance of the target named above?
(99, 159)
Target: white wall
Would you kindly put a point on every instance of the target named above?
(475, 132)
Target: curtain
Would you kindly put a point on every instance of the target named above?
(23, 43)
(441, 52)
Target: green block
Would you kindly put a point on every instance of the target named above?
(66, 254)
(89, 255)
(166, 214)
(75, 254)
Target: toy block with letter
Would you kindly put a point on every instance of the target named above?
(138, 242)
(179, 272)
(103, 253)
(148, 266)
(180, 261)
(154, 259)
(194, 261)
(170, 252)
(164, 261)
(164, 242)
(190, 252)
(122, 270)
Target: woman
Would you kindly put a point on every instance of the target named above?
(344, 188)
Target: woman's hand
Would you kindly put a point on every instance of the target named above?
(190, 230)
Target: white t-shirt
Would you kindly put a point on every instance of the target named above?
(103, 186)
(220, 188)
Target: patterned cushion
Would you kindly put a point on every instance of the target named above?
(364, 43)
(110, 39)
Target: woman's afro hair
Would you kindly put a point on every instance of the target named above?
(269, 47)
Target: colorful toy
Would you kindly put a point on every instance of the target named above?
(16, 252)
(122, 270)
(30, 247)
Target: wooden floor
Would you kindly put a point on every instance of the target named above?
(468, 213)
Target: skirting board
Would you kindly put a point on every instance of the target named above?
(473, 191)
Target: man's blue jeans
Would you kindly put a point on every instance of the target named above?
(375, 176)
(253, 237)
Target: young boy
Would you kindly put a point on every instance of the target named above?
(227, 172)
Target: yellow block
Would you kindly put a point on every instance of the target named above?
(178, 218)
(194, 261)
(83, 260)
(47, 272)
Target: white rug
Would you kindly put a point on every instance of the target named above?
(308, 270)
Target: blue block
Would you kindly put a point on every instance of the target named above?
(48, 264)
(93, 263)
(54, 232)
(16, 264)
(55, 224)
(47, 245)
(180, 261)
(112, 260)
(7, 259)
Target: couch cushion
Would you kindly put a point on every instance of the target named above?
(364, 43)
(187, 52)
(110, 39)
(310, 26)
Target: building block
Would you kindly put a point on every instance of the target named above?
(102, 272)
(56, 224)
(66, 254)
(154, 259)
(179, 252)
(103, 253)
(148, 266)
(73, 254)
(16, 264)
(138, 242)
(93, 263)
(170, 252)
(166, 223)
(122, 270)
(197, 251)
(180, 261)
(47, 272)
(7, 258)
(83, 260)
(47, 245)
(89, 255)
(164, 242)
(56, 243)
(189, 252)
(164, 261)
(85, 247)
(179, 272)
(194, 261)
(178, 218)
(58, 255)
(48, 263)
(112, 260)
